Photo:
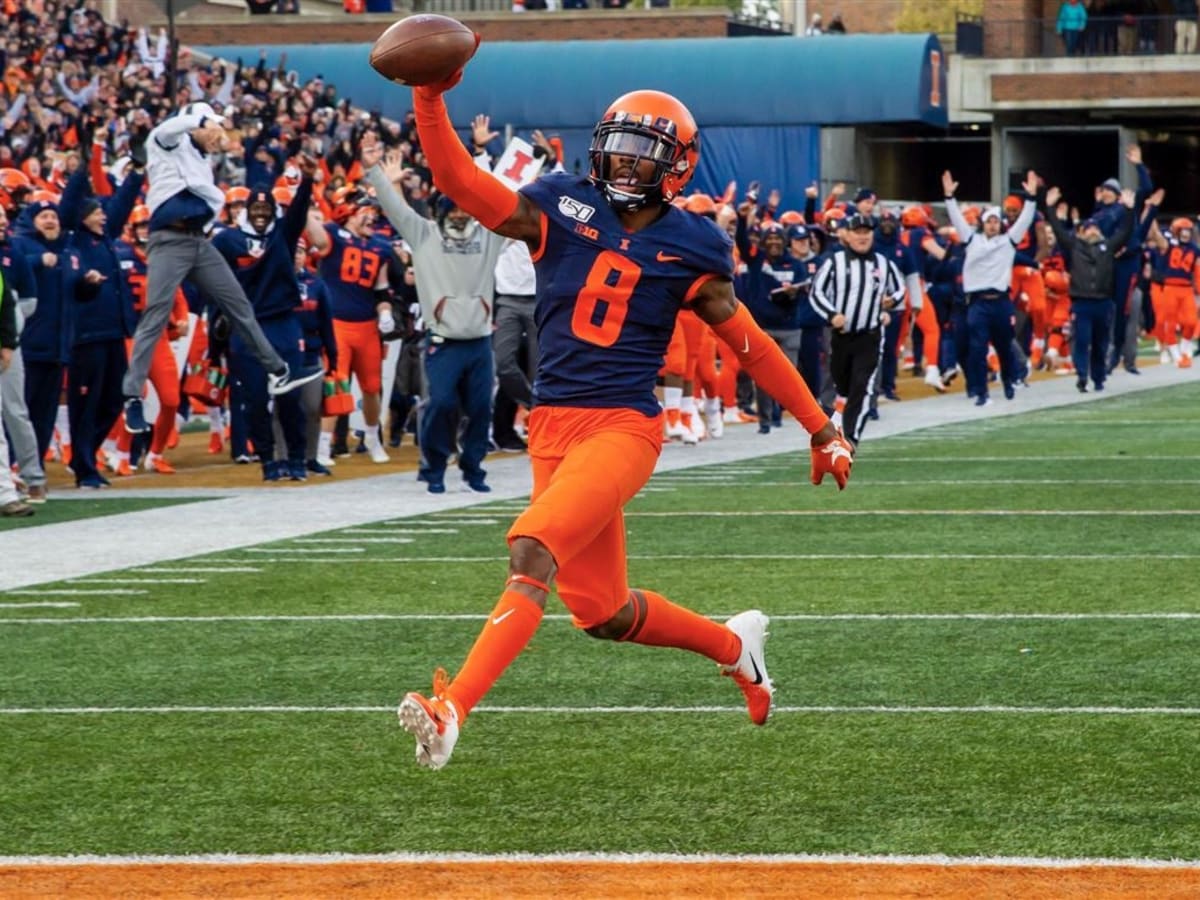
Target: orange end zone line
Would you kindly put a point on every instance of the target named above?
(614, 879)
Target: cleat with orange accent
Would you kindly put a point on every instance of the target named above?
(1185, 362)
(215, 444)
(65, 453)
(432, 721)
(749, 673)
(123, 469)
(155, 463)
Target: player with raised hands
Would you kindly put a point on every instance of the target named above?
(615, 263)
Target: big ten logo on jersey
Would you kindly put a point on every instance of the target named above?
(592, 234)
(360, 266)
(573, 209)
(517, 166)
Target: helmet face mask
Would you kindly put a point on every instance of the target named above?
(644, 150)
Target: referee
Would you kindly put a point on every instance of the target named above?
(852, 291)
(987, 279)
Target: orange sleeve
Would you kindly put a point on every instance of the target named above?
(454, 171)
(762, 359)
(101, 186)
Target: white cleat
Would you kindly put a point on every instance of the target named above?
(933, 378)
(716, 424)
(375, 448)
(750, 671)
(433, 722)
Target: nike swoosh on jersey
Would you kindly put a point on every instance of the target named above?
(663, 257)
(504, 615)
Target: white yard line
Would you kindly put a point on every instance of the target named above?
(198, 569)
(47, 605)
(33, 555)
(555, 617)
(139, 581)
(630, 859)
(71, 592)
(352, 540)
(990, 709)
(385, 530)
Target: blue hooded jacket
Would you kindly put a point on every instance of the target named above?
(108, 315)
(50, 332)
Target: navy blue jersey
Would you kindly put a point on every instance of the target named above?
(607, 298)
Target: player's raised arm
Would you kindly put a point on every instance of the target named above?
(456, 174)
(762, 359)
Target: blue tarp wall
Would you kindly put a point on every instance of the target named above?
(759, 102)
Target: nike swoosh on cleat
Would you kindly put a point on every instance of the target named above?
(758, 679)
(663, 257)
(504, 615)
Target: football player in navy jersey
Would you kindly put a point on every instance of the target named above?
(615, 263)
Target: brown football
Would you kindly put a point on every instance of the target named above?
(423, 49)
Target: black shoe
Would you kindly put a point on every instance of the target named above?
(339, 451)
(1009, 392)
(436, 483)
(296, 470)
(1133, 370)
(274, 470)
(513, 445)
(476, 483)
(135, 418)
(1081, 386)
(764, 428)
(873, 415)
(317, 469)
(892, 395)
(287, 380)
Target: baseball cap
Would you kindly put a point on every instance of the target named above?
(863, 194)
(1113, 185)
(1089, 223)
(797, 233)
(203, 110)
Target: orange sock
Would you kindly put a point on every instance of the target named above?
(660, 623)
(505, 634)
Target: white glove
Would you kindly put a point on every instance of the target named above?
(387, 324)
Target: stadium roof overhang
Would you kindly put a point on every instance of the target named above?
(829, 80)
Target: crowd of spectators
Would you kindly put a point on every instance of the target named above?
(81, 95)
(1125, 27)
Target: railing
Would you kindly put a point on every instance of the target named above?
(1129, 35)
(452, 7)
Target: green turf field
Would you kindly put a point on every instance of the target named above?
(987, 645)
(60, 509)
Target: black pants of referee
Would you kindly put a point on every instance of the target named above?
(853, 365)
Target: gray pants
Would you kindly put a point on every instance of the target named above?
(311, 395)
(16, 420)
(789, 343)
(514, 326)
(174, 256)
(1127, 351)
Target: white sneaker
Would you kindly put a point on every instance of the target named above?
(933, 378)
(716, 424)
(375, 447)
(689, 437)
(327, 461)
(432, 721)
(750, 671)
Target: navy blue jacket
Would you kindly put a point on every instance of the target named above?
(316, 318)
(50, 332)
(771, 308)
(266, 266)
(108, 315)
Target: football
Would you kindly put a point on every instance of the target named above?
(423, 49)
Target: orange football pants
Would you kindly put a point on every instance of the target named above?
(1058, 314)
(1174, 311)
(926, 320)
(675, 361)
(587, 464)
(164, 375)
(1028, 281)
(360, 352)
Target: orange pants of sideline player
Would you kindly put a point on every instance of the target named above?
(360, 352)
(587, 464)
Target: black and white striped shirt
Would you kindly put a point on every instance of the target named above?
(856, 287)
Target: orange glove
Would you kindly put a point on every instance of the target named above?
(834, 457)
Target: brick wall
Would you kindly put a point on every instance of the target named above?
(1093, 86)
(1004, 33)
(234, 28)
(859, 16)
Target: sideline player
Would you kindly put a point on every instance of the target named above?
(615, 263)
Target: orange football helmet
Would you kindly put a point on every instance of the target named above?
(283, 196)
(1180, 225)
(139, 216)
(1013, 202)
(644, 126)
(237, 195)
(971, 214)
(913, 217)
(790, 217)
